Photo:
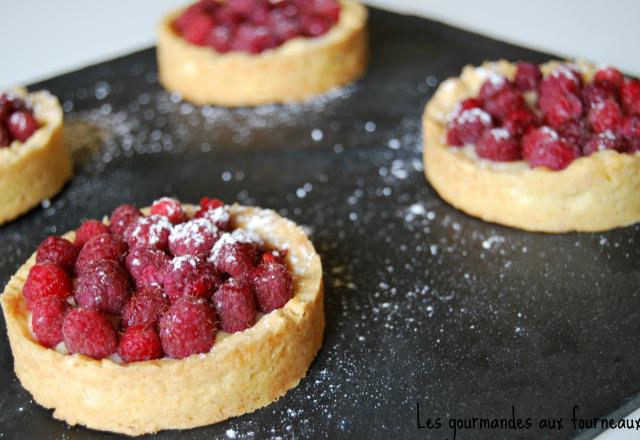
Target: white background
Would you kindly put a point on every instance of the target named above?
(39, 39)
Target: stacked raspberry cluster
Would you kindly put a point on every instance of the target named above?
(17, 122)
(148, 286)
(254, 26)
(566, 119)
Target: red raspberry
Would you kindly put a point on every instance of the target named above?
(495, 84)
(46, 279)
(593, 94)
(57, 250)
(605, 116)
(631, 127)
(274, 256)
(564, 79)
(190, 276)
(102, 247)
(605, 140)
(195, 237)
(198, 29)
(207, 203)
(103, 286)
(235, 254)
(169, 208)
(528, 76)
(272, 285)
(152, 231)
(537, 139)
(465, 104)
(5, 137)
(121, 217)
(88, 230)
(555, 155)
(21, 125)
(564, 107)
(630, 96)
(188, 327)
(468, 126)
(220, 217)
(139, 343)
(326, 8)
(47, 315)
(145, 307)
(235, 306)
(147, 266)
(609, 77)
(519, 121)
(89, 333)
(497, 144)
(575, 132)
(504, 102)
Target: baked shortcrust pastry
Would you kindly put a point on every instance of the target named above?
(169, 318)
(34, 163)
(244, 53)
(550, 148)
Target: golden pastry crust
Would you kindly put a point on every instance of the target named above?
(595, 193)
(37, 169)
(299, 69)
(242, 372)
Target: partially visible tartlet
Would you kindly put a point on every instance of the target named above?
(551, 148)
(34, 162)
(169, 318)
(246, 53)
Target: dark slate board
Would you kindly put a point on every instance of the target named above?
(424, 305)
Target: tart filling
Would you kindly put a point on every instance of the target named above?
(253, 26)
(166, 318)
(548, 148)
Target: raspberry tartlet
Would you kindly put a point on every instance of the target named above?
(34, 162)
(550, 148)
(252, 52)
(167, 318)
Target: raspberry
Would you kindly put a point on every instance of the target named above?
(195, 237)
(89, 333)
(5, 137)
(555, 155)
(273, 256)
(235, 306)
(498, 144)
(575, 132)
(188, 327)
(88, 230)
(57, 250)
(465, 104)
(190, 276)
(605, 116)
(631, 127)
(121, 217)
(326, 8)
(207, 204)
(169, 208)
(609, 77)
(593, 94)
(564, 107)
(495, 84)
(519, 121)
(147, 266)
(145, 307)
(468, 126)
(102, 247)
(630, 96)
(537, 139)
(47, 315)
(235, 254)
(103, 286)
(564, 79)
(139, 343)
(198, 29)
(220, 217)
(272, 285)
(152, 231)
(528, 76)
(21, 125)
(504, 102)
(46, 279)
(606, 140)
